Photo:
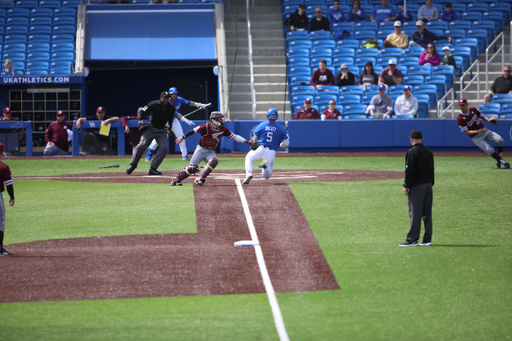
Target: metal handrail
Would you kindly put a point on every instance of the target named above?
(80, 41)
(251, 66)
(440, 104)
(220, 47)
(477, 76)
(488, 60)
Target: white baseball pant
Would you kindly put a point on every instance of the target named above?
(488, 135)
(264, 154)
(178, 131)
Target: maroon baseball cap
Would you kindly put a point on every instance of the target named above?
(7, 110)
(60, 113)
(463, 101)
(100, 109)
(307, 100)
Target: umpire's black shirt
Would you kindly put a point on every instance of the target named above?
(158, 114)
(419, 166)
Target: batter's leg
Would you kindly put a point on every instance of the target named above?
(270, 157)
(151, 150)
(178, 131)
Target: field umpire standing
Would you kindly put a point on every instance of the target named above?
(160, 113)
(419, 179)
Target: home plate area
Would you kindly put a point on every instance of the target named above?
(227, 177)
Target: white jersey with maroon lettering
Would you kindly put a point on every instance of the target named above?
(470, 121)
(211, 134)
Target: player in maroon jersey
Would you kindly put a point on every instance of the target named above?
(5, 176)
(58, 135)
(211, 132)
(469, 121)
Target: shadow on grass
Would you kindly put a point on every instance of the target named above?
(446, 245)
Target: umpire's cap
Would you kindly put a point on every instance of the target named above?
(416, 134)
(164, 94)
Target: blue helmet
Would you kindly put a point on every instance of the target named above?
(173, 90)
(272, 114)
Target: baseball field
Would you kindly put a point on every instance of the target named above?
(100, 255)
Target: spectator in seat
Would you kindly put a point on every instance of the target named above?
(8, 117)
(92, 136)
(322, 75)
(336, 13)
(58, 135)
(345, 77)
(319, 22)
(381, 105)
(368, 77)
(406, 104)
(448, 15)
(307, 113)
(404, 16)
(397, 39)
(383, 12)
(430, 57)
(501, 85)
(422, 37)
(428, 12)
(448, 58)
(8, 67)
(297, 21)
(332, 113)
(356, 14)
(391, 75)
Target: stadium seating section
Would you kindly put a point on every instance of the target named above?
(38, 36)
(478, 25)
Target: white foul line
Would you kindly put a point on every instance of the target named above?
(276, 311)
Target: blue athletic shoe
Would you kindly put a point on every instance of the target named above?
(186, 158)
(148, 157)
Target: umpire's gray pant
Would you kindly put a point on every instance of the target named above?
(160, 135)
(420, 207)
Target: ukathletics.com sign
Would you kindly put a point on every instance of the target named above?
(38, 79)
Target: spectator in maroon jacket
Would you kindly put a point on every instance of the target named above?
(57, 137)
(322, 75)
(307, 113)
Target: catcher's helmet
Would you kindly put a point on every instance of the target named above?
(272, 114)
(214, 116)
(173, 90)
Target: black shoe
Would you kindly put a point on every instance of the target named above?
(5, 253)
(409, 243)
(426, 243)
(506, 165)
(153, 171)
(130, 169)
(199, 182)
(498, 164)
(174, 183)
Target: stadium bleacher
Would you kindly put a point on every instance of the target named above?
(35, 34)
(478, 25)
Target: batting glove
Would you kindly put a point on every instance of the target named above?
(187, 121)
(200, 105)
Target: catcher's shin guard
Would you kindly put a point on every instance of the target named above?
(212, 163)
(186, 172)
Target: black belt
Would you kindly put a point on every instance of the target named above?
(268, 147)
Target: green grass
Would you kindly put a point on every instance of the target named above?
(459, 289)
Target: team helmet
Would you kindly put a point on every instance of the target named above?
(214, 116)
(173, 90)
(272, 114)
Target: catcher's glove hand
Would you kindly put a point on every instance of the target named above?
(494, 120)
(254, 145)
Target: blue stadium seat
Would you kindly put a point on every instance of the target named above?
(38, 47)
(294, 44)
(15, 56)
(336, 62)
(372, 89)
(316, 52)
(300, 70)
(41, 20)
(501, 7)
(64, 20)
(443, 25)
(330, 44)
(330, 89)
(361, 61)
(448, 71)
(477, 7)
(360, 35)
(75, 3)
(292, 62)
(502, 98)
(409, 61)
(355, 117)
(383, 33)
(39, 38)
(41, 12)
(63, 47)
(413, 51)
(17, 21)
(299, 99)
(367, 26)
(15, 29)
(37, 65)
(420, 70)
(49, 4)
(472, 43)
(471, 16)
(355, 109)
(351, 90)
(40, 29)
(461, 24)
(18, 67)
(296, 52)
(64, 29)
(63, 56)
(487, 25)
(439, 81)
(6, 4)
(413, 80)
(324, 98)
(367, 52)
(314, 61)
(298, 79)
(15, 38)
(397, 89)
(37, 72)
(320, 35)
(303, 90)
(402, 117)
(423, 106)
(348, 43)
(455, 33)
(18, 12)
(428, 89)
(64, 11)
(38, 56)
(391, 52)
(349, 99)
(15, 47)
(26, 4)
(497, 17)
(490, 108)
(481, 35)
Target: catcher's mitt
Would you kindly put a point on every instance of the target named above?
(494, 120)
(254, 145)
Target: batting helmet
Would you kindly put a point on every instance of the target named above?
(272, 114)
(173, 90)
(214, 116)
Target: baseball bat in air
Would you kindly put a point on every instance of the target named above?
(206, 106)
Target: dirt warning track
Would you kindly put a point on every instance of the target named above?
(202, 263)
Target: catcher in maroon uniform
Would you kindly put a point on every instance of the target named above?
(469, 121)
(211, 132)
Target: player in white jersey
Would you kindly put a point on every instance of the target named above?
(271, 136)
(177, 101)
